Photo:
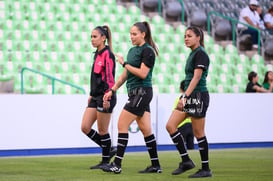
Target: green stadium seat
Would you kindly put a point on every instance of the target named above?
(217, 49)
(180, 29)
(177, 78)
(167, 29)
(243, 59)
(226, 68)
(172, 88)
(228, 59)
(171, 48)
(160, 79)
(180, 58)
(167, 57)
(162, 38)
(242, 69)
(239, 79)
(225, 78)
(157, 20)
(177, 39)
(268, 67)
(223, 88)
(231, 49)
(258, 68)
(257, 59)
(35, 56)
(134, 11)
(238, 88)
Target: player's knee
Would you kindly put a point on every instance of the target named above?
(170, 128)
(85, 130)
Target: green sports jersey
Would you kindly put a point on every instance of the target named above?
(198, 58)
(135, 57)
(266, 86)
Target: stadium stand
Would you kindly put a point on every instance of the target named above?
(54, 37)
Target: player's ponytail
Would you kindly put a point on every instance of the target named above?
(145, 27)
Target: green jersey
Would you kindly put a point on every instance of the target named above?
(198, 58)
(135, 57)
(266, 86)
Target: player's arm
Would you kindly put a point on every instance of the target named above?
(261, 89)
(141, 72)
(196, 77)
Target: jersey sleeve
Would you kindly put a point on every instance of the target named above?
(109, 69)
(148, 57)
(201, 60)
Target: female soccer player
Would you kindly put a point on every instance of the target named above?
(193, 103)
(138, 73)
(102, 80)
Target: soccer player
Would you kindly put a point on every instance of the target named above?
(102, 80)
(193, 103)
(137, 72)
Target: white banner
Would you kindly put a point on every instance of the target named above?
(54, 121)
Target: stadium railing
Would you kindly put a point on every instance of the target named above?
(53, 79)
(234, 22)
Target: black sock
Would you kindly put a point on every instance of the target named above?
(122, 144)
(94, 135)
(105, 145)
(204, 152)
(180, 146)
(152, 149)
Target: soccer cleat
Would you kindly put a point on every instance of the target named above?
(151, 169)
(201, 173)
(112, 167)
(113, 152)
(99, 166)
(183, 166)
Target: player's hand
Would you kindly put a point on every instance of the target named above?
(107, 96)
(106, 105)
(179, 105)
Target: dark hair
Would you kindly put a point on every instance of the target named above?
(182, 85)
(198, 32)
(145, 27)
(266, 76)
(251, 75)
(105, 31)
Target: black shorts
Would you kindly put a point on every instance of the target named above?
(97, 102)
(197, 104)
(139, 100)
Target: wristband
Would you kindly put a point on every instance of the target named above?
(113, 92)
(123, 65)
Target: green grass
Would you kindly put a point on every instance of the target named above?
(228, 164)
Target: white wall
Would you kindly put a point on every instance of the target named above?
(54, 121)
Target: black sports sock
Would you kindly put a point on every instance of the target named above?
(152, 149)
(94, 135)
(180, 146)
(204, 152)
(121, 147)
(105, 145)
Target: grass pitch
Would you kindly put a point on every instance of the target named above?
(227, 164)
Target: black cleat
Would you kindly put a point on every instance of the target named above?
(99, 166)
(184, 166)
(112, 167)
(201, 173)
(151, 169)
